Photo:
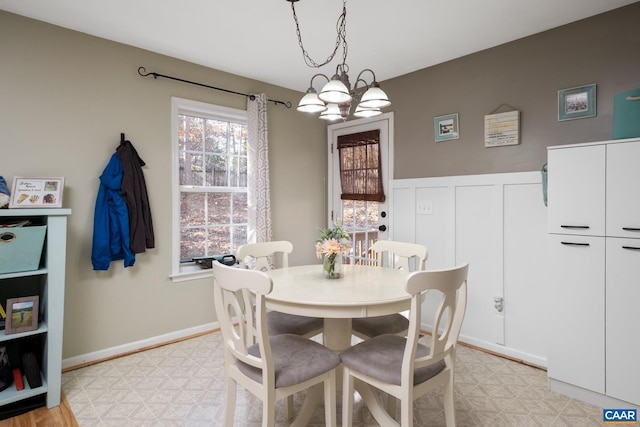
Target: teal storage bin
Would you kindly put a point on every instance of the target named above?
(626, 114)
(21, 248)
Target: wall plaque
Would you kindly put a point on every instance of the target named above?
(502, 129)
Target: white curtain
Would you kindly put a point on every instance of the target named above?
(258, 171)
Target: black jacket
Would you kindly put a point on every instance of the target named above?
(134, 192)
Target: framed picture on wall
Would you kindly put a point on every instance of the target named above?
(577, 102)
(446, 127)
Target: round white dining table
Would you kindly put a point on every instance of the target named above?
(363, 291)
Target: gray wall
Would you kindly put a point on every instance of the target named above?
(525, 74)
(64, 99)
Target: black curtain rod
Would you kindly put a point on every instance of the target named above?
(143, 72)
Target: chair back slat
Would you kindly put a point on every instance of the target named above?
(400, 255)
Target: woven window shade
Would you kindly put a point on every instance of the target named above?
(360, 169)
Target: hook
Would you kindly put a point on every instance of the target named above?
(121, 138)
(502, 105)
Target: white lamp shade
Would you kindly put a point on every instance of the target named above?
(366, 112)
(310, 103)
(374, 97)
(335, 92)
(331, 113)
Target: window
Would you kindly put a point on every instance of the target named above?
(210, 182)
(360, 169)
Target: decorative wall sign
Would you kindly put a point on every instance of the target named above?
(502, 129)
(577, 102)
(36, 192)
(446, 127)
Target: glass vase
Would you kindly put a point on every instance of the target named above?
(332, 266)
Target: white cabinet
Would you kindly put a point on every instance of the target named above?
(623, 319)
(594, 268)
(49, 282)
(576, 193)
(576, 352)
(623, 189)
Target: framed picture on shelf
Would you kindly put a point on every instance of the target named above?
(3, 316)
(22, 314)
(446, 127)
(36, 192)
(577, 102)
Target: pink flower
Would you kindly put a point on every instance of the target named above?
(332, 241)
(331, 246)
(319, 250)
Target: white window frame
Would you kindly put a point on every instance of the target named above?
(189, 271)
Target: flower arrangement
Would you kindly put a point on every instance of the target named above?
(332, 243)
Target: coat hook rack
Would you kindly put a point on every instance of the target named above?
(143, 72)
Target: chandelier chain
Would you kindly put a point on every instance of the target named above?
(341, 37)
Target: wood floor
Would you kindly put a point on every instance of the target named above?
(60, 416)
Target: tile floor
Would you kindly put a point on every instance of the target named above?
(182, 384)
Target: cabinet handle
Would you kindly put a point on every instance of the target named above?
(575, 226)
(630, 229)
(633, 248)
(575, 244)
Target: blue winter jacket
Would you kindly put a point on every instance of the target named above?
(111, 220)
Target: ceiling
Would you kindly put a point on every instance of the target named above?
(257, 38)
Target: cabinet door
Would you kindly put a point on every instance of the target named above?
(623, 319)
(576, 190)
(576, 310)
(623, 189)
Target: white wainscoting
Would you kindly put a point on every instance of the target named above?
(497, 223)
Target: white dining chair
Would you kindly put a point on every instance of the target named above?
(275, 367)
(402, 256)
(401, 366)
(261, 256)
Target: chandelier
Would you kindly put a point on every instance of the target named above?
(336, 96)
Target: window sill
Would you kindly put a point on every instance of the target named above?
(191, 272)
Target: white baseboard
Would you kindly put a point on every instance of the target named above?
(120, 350)
(527, 358)
(597, 399)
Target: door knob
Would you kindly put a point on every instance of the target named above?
(382, 228)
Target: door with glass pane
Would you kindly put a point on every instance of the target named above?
(365, 219)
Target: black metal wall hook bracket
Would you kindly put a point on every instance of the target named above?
(143, 72)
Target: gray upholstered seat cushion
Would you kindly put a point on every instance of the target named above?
(283, 323)
(380, 325)
(381, 358)
(296, 359)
